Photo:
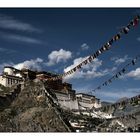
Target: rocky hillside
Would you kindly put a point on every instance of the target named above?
(32, 111)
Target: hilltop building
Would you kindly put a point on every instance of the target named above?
(10, 76)
(66, 96)
(87, 101)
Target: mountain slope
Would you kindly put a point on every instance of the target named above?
(32, 111)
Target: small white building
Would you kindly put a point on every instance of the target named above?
(10, 76)
(8, 70)
(86, 101)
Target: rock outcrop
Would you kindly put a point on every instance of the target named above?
(32, 111)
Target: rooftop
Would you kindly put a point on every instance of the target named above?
(11, 68)
(88, 95)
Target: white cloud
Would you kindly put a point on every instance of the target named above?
(8, 22)
(75, 63)
(58, 56)
(87, 71)
(84, 46)
(20, 38)
(4, 50)
(119, 61)
(138, 38)
(33, 64)
(134, 74)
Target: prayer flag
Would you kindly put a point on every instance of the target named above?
(90, 59)
(85, 62)
(116, 76)
(135, 22)
(116, 37)
(133, 62)
(119, 73)
(125, 30)
(123, 70)
(74, 69)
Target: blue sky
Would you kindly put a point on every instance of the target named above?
(57, 39)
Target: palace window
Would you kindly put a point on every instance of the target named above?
(8, 81)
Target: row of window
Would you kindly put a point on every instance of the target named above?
(13, 81)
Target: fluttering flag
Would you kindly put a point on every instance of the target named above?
(101, 50)
(126, 30)
(128, 26)
(119, 73)
(132, 23)
(71, 71)
(85, 62)
(106, 83)
(111, 41)
(93, 56)
(135, 22)
(116, 76)
(68, 72)
(105, 47)
(117, 37)
(97, 53)
(79, 66)
(74, 69)
(108, 44)
(123, 70)
(133, 62)
(90, 59)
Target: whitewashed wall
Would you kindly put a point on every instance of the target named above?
(66, 102)
(3, 81)
(86, 105)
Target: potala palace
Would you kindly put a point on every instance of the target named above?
(67, 97)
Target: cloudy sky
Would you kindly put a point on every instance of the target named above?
(58, 39)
